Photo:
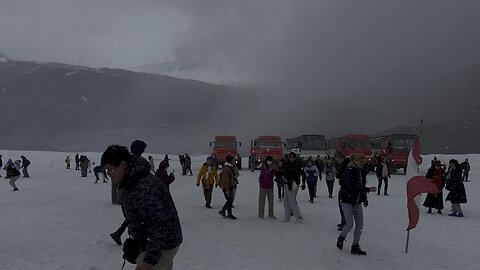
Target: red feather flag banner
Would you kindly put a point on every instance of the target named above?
(416, 185)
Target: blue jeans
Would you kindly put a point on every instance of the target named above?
(353, 212)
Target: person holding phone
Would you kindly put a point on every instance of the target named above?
(164, 175)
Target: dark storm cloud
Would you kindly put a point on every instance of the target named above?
(329, 44)
(318, 45)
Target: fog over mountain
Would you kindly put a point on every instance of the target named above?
(297, 67)
(63, 107)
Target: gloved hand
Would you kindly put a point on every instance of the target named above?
(365, 204)
(216, 185)
(198, 185)
(303, 187)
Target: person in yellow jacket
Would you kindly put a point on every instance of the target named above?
(209, 177)
(67, 161)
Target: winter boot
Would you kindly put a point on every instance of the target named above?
(340, 241)
(222, 213)
(231, 217)
(453, 214)
(299, 220)
(429, 210)
(356, 250)
(207, 205)
(116, 237)
(439, 211)
(15, 189)
(460, 214)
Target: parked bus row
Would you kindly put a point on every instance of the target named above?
(394, 147)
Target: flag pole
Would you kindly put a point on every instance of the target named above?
(408, 238)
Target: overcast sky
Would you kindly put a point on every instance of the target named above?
(328, 42)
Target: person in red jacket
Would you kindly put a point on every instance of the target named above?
(163, 174)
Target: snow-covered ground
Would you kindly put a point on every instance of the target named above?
(59, 220)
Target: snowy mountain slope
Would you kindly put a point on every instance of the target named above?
(61, 221)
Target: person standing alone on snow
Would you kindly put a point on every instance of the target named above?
(77, 162)
(465, 169)
(382, 175)
(25, 164)
(265, 180)
(352, 194)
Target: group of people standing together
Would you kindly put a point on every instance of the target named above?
(451, 179)
(84, 165)
(12, 170)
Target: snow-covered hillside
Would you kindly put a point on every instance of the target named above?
(59, 220)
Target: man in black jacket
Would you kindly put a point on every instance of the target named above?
(147, 206)
(292, 173)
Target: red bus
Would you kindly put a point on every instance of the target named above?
(264, 146)
(227, 145)
(350, 144)
(395, 147)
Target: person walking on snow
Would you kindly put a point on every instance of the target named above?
(208, 177)
(330, 172)
(353, 194)
(67, 162)
(152, 217)
(226, 182)
(163, 175)
(312, 173)
(292, 174)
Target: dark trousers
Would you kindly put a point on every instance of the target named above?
(312, 186)
(25, 171)
(280, 192)
(188, 169)
(342, 222)
(228, 205)
(83, 171)
(465, 175)
(380, 180)
(77, 166)
(102, 174)
(330, 187)
(207, 193)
